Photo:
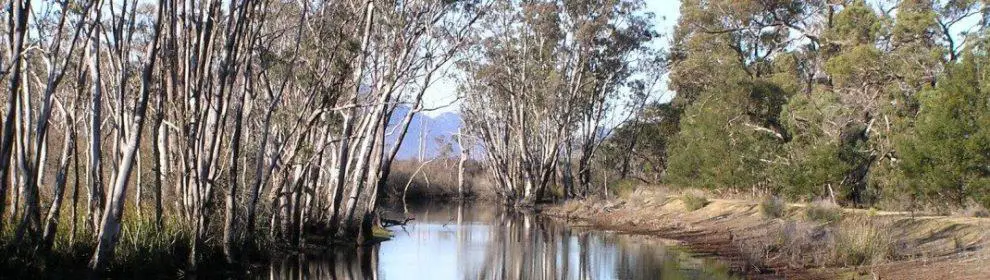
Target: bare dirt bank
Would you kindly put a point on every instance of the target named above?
(793, 243)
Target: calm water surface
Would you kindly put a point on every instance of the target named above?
(450, 241)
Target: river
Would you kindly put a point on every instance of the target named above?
(480, 241)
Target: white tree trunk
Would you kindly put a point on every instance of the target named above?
(109, 229)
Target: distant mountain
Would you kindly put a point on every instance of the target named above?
(437, 134)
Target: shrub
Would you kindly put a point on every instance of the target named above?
(694, 201)
(823, 211)
(862, 242)
(872, 212)
(623, 188)
(773, 207)
(972, 209)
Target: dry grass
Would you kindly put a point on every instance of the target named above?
(623, 188)
(773, 207)
(972, 209)
(812, 236)
(849, 243)
(436, 179)
(862, 241)
(823, 211)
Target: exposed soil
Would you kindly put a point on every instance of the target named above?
(738, 234)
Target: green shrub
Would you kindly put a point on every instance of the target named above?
(773, 207)
(694, 201)
(823, 211)
(709, 135)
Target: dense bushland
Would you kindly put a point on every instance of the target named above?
(862, 103)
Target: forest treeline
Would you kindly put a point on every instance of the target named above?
(207, 128)
(867, 103)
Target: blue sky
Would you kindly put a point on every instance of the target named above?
(442, 94)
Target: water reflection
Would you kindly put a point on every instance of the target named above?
(485, 242)
(360, 263)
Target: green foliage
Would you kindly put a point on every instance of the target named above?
(719, 144)
(873, 107)
(856, 24)
(946, 156)
(914, 17)
(853, 68)
(694, 201)
(811, 171)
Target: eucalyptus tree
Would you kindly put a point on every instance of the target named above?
(17, 17)
(110, 228)
(94, 168)
(299, 92)
(732, 68)
(71, 32)
(612, 40)
(956, 115)
(519, 102)
(541, 70)
(406, 47)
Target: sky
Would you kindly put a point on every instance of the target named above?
(442, 96)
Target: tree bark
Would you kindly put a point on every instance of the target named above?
(68, 151)
(460, 163)
(95, 168)
(110, 223)
(18, 15)
(231, 207)
(344, 153)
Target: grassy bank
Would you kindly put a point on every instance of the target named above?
(769, 238)
(144, 249)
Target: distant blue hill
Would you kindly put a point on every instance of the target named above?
(439, 131)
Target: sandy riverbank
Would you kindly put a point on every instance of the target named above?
(792, 243)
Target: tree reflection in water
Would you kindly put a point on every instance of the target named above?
(358, 263)
(465, 241)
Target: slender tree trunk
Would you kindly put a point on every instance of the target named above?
(344, 153)
(231, 207)
(68, 151)
(30, 222)
(627, 155)
(75, 186)
(159, 135)
(18, 16)
(259, 174)
(138, 188)
(110, 223)
(95, 168)
(460, 164)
